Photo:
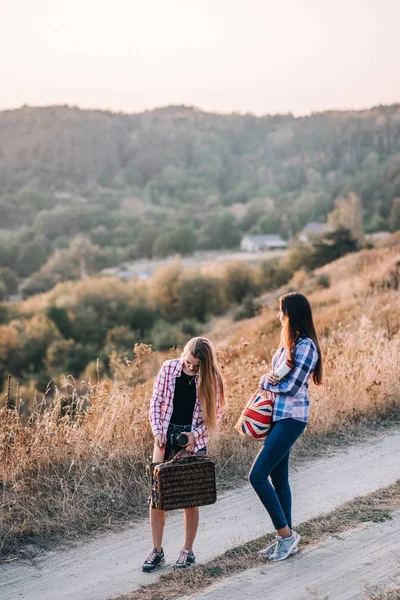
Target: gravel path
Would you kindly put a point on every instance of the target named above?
(109, 565)
(339, 569)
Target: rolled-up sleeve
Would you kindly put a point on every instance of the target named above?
(305, 363)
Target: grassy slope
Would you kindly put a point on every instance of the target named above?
(64, 476)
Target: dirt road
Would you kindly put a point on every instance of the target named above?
(109, 565)
(339, 569)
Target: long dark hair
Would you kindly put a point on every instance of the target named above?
(299, 324)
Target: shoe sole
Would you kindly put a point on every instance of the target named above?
(263, 553)
(290, 551)
(184, 566)
(162, 562)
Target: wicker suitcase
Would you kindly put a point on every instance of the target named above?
(183, 482)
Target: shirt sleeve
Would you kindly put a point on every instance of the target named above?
(305, 362)
(199, 431)
(157, 400)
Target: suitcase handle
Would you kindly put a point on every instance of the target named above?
(178, 454)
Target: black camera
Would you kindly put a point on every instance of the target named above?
(177, 440)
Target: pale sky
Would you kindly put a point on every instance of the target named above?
(259, 56)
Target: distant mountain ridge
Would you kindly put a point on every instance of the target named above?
(177, 179)
(62, 145)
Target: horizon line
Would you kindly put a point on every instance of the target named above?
(199, 109)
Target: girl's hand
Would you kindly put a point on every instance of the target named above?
(159, 441)
(272, 378)
(190, 445)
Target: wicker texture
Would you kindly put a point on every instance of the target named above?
(183, 483)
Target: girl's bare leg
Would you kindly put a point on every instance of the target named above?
(157, 516)
(284, 532)
(191, 524)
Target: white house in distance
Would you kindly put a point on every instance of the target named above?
(313, 230)
(261, 242)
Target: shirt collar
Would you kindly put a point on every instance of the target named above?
(177, 372)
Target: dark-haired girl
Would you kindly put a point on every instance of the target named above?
(299, 345)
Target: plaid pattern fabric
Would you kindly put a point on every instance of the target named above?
(162, 403)
(291, 394)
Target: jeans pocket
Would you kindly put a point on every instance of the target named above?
(293, 424)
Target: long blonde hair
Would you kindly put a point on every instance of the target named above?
(211, 383)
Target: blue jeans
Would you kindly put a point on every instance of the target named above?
(273, 461)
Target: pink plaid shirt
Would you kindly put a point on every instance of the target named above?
(162, 403)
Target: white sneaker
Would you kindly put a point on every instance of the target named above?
(284, 546)
(269, 550)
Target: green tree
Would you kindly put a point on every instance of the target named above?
(394, 219)
(165, 335)
(83, 252)
(163, 245)
(145, 242)
(33, 255)
(61, 320)
(198, 296)
(121, 338)
(348, 213)
(68, 357)
(334, 244)
(220, 231)
(3, 291)
(180, 241)
(9, 213)
(10, 280)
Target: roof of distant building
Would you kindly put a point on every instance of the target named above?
(263, 237)
(314, 227)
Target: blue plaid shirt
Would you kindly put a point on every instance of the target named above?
(291, 393)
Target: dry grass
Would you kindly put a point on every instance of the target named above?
(79, 464)
(376, 507)
(383, 594)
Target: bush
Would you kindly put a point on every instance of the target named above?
(69, 358)
(323, 281)
(164, 289)
(121, 338)
(299, 280)
(164, 336)
(248, 309)
(239, 281)
(190, 327)
(272, 274)
(300, 256)
(198, 296)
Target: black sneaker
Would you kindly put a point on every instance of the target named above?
(186, 559)
(153, 560)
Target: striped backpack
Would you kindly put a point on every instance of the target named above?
(255, 421)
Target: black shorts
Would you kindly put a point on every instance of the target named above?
(176, 429)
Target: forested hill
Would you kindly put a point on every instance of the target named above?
(180, 155)
(177, 178)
